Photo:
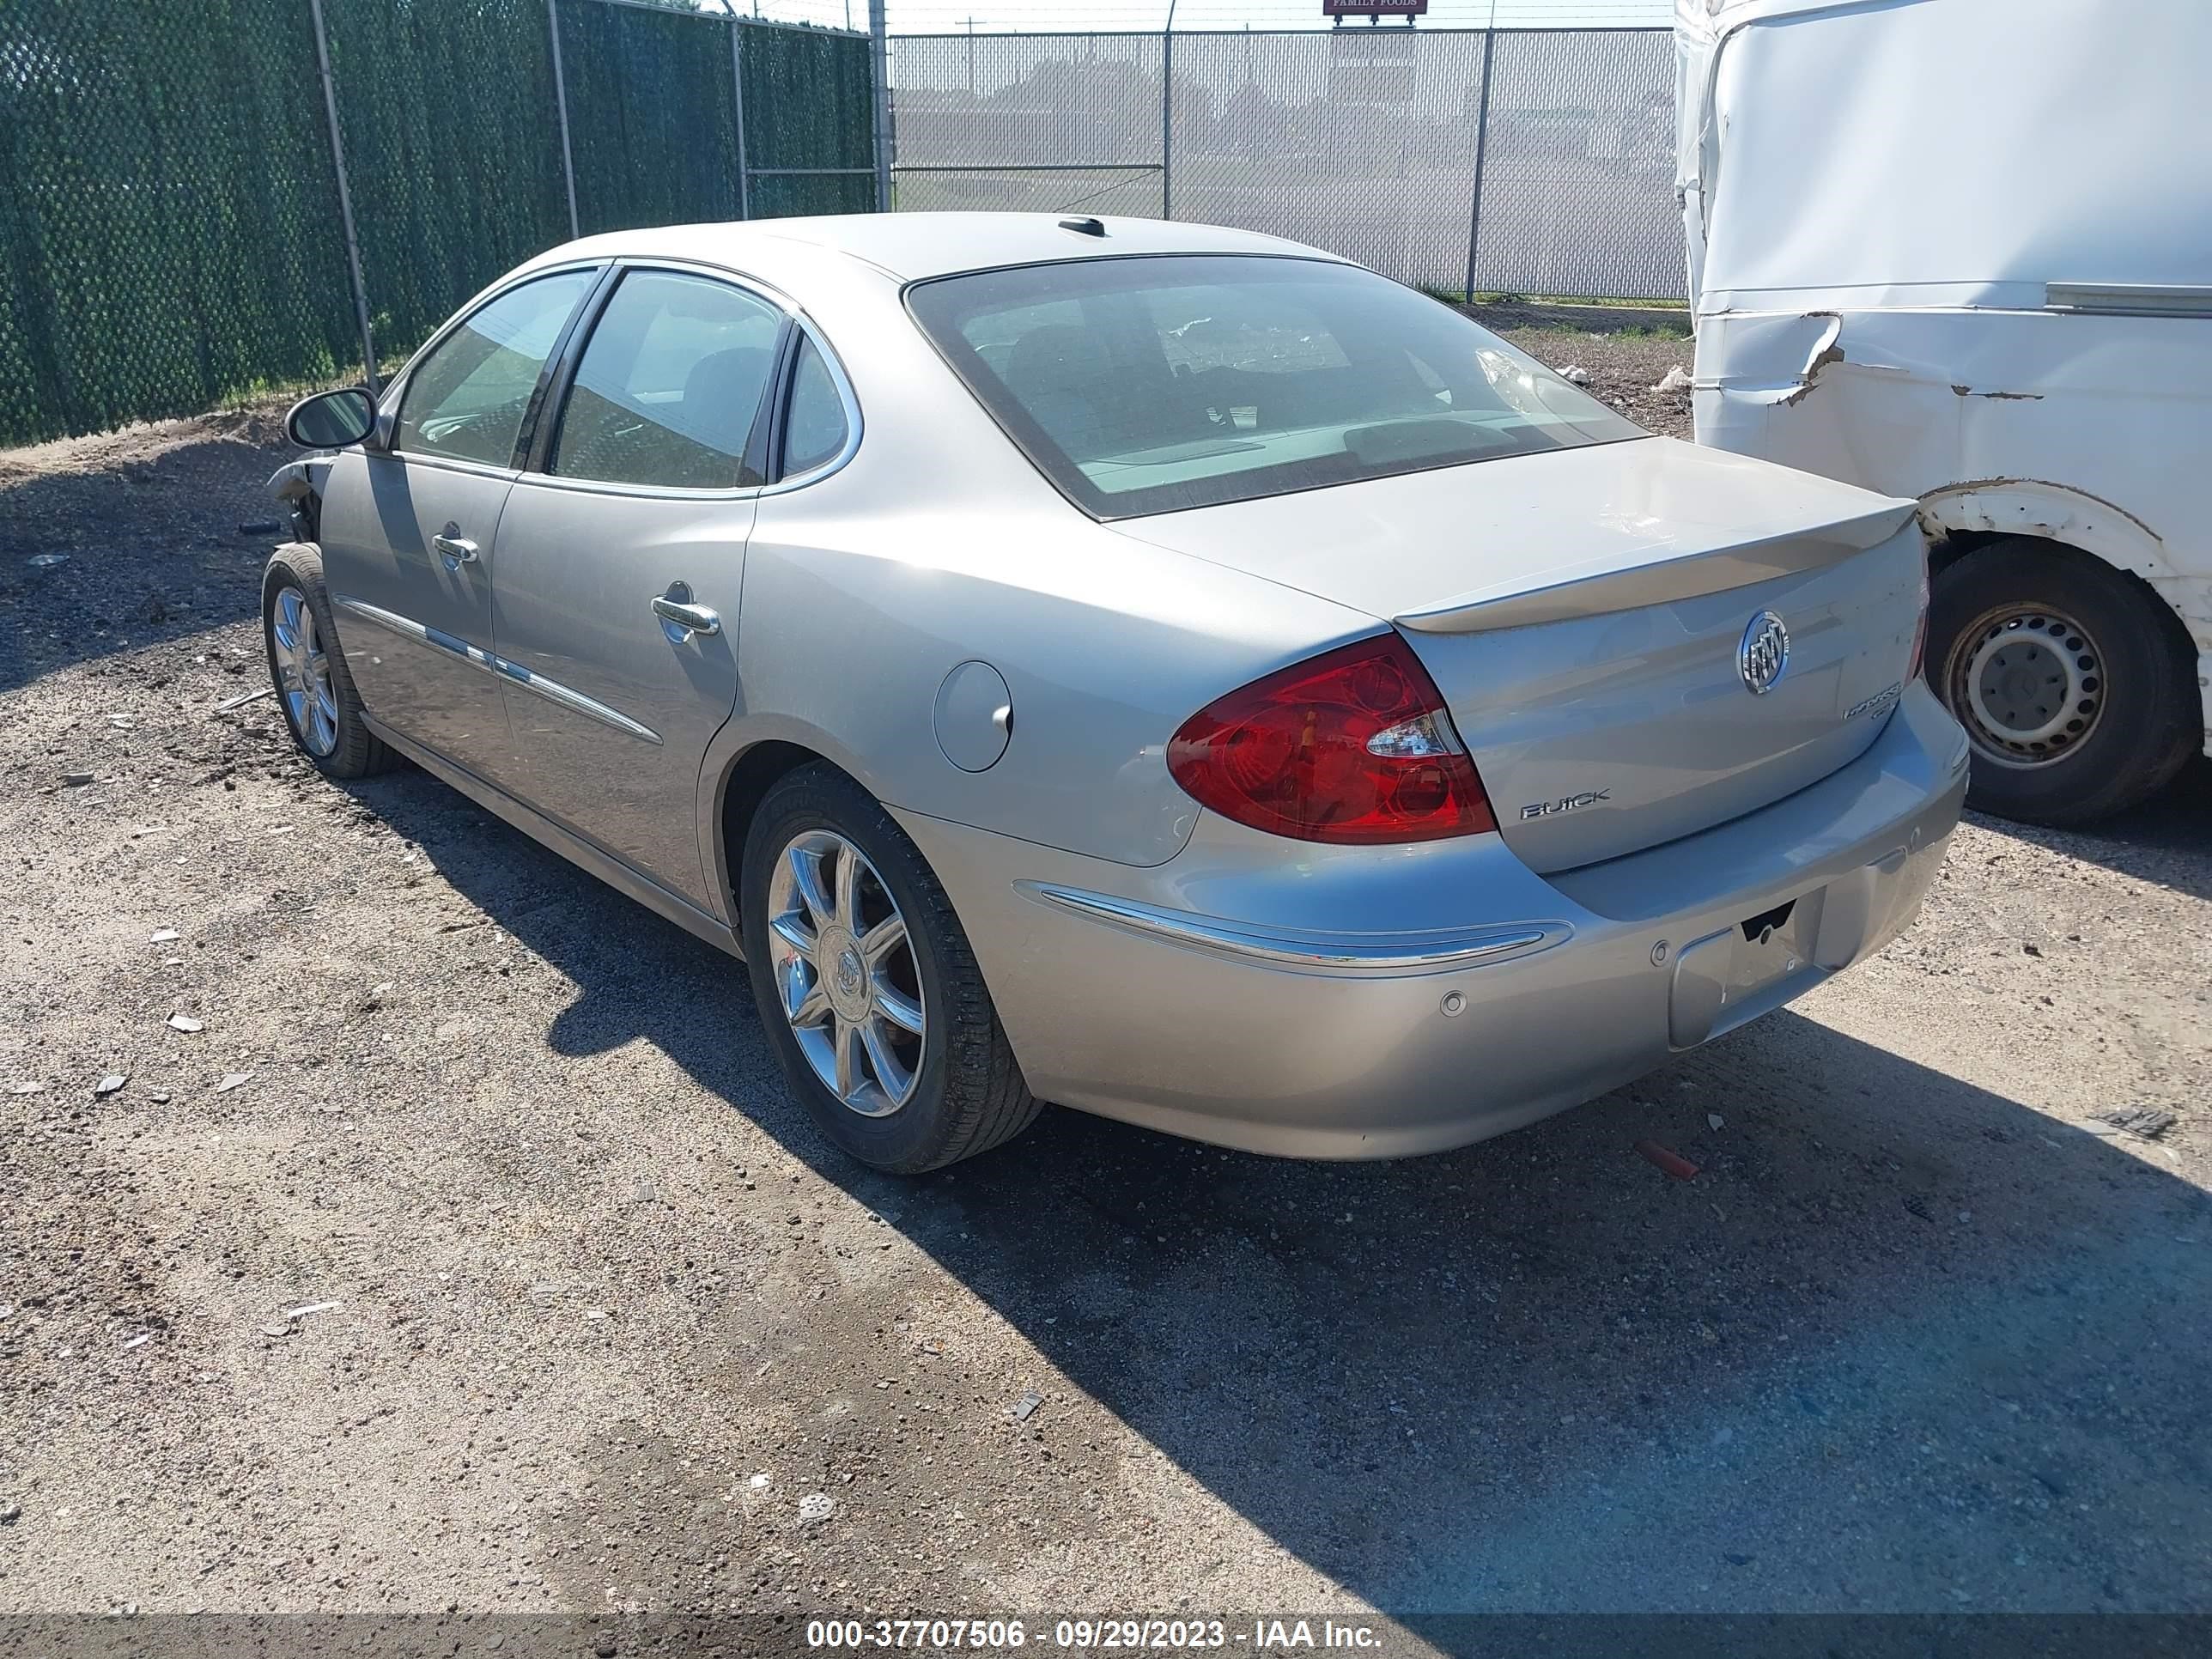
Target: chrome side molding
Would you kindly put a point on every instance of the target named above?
(1338, 953)
(512, 673)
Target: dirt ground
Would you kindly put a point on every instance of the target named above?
(1624, 369)
(465, 1252)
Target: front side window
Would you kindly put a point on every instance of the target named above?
(467, 398)
(669, 386)
(1145, 385)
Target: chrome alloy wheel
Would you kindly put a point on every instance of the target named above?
(845, 969)
(303, 673)
(2027, 684)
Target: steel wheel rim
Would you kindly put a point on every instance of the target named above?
(303, 673)
(2028, 684)
(846, 975)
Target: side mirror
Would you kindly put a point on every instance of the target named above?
(331, 419)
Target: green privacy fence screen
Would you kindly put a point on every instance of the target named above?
(453, 149)
(165, 191)
(170, 232)
(823, 81)
(658, 160)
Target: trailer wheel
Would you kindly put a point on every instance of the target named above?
(2070, 677)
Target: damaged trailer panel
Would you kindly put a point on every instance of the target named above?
(1958, 250)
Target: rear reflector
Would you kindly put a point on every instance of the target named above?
(1353, 746)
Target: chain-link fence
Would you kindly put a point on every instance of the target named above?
(1530, 161)
(1027, 122)
(172, 231)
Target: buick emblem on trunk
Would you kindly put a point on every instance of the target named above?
(1764, 653)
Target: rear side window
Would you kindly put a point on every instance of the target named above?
(814, 429)
(669, 385)
(1145, 385)
(467, 398)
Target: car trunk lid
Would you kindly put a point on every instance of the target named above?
(1585, 614)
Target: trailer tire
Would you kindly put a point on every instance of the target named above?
(2074, 683)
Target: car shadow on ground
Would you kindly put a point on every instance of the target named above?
(152, 545)
(1904, 1343)
(2166, 840)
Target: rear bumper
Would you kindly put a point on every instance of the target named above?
(1360, 1002)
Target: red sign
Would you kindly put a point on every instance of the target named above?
(1374, 7)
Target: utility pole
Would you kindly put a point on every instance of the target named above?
(879, 54)
(1481, 145)
(345, 200)
(737, 111)
(1167, 115)
(561, 112)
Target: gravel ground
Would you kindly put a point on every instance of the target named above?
(466, 1252)
(1624, 369)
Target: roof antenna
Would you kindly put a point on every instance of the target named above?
(1085, 227)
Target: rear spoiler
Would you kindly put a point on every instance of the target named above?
(1596, 588)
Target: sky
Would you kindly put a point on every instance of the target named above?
(953, 16)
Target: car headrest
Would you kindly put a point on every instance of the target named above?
(1060, 357)
(721, 394)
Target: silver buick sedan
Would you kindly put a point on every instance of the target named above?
(1159, 669)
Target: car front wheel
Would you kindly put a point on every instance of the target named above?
(866, 984)
(308, 671)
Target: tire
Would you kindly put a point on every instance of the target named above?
(964, 1093)
(2016, 621)
(330, 734)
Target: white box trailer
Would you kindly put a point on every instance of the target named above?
(1962, 251)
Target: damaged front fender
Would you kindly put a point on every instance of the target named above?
(299, 486)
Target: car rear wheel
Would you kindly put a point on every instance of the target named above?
(2067, 675)
(866, 984)
(313, 685)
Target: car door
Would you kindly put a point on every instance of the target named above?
(622, 555)
(409, 523)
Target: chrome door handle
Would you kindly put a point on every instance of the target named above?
(456, 550)
(691, 618)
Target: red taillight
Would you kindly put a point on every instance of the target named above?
(1350, 746)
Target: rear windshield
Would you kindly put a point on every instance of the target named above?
(1143, 385)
